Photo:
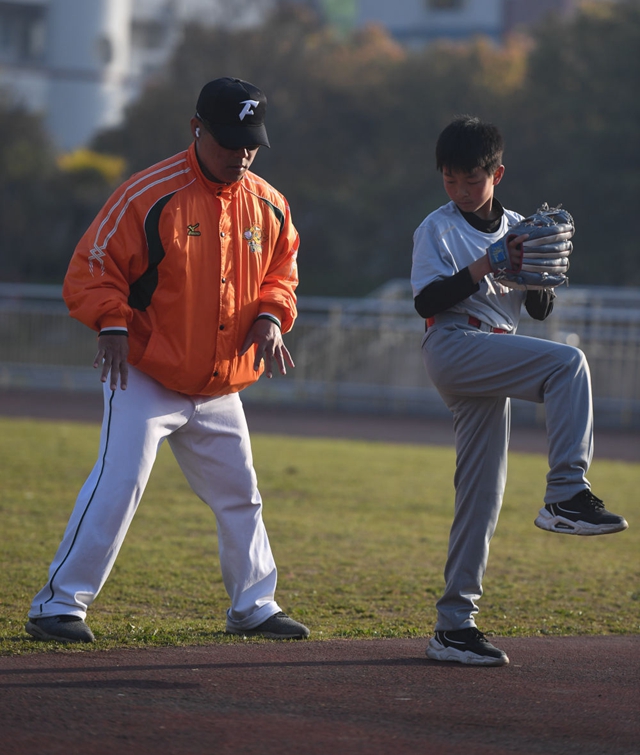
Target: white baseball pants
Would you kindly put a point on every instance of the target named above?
(210, 440)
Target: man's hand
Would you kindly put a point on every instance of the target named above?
(112, 354)
(268, 339)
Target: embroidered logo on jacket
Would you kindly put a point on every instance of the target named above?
(192, 230)
(254, 236)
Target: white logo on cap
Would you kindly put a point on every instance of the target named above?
(246, 110)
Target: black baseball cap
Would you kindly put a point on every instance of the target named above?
(234, 111)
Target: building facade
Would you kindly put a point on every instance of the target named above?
(78, 62)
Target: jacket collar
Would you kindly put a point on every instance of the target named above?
(219, 189)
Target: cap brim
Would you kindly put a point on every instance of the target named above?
(237, 137)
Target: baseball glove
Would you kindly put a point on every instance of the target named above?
(545, 259)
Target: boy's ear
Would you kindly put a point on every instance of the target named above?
(497, 175)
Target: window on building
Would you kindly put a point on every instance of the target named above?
(22, 33)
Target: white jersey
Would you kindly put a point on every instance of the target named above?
(444, 244)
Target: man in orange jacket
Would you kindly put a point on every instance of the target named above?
(188, 274)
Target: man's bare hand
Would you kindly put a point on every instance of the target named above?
(268, 339)
(112, 356)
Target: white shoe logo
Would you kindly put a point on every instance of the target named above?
(246, 110)
(455, 642)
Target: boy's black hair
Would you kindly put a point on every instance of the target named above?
(468, 143)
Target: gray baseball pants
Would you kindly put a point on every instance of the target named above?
(476, 372)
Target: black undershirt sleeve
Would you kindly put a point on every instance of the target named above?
(445, 293)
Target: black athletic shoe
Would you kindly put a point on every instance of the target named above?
(584, 514)
(276, 627)
(60, 629)
(468, 646)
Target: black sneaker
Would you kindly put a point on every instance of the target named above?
(584, 514)
(60, 629)
(468, 646)
(276, 627)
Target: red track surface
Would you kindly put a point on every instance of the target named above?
(371, 697)
(87, 407)
(559, 695)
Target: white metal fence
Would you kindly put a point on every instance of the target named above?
(351, 354)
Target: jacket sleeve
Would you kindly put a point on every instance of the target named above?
(111, 254)
(277, 291)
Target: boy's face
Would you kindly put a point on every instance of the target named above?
(472, 192)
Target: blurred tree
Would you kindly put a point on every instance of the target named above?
(575, 137)
(353, 120)
(26, 163)
(327, 100)
(108, 167)
(352, 123)
(44, 208)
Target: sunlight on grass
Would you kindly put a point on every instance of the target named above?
(359, 531)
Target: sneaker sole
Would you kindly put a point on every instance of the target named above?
(562, 526)
(267, 635)
(39, 634)
(438, 652)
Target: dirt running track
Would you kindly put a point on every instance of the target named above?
(380, 697)
(559, 696)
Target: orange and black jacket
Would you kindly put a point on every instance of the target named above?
(186, 265)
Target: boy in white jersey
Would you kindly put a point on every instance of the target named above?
(477, 363)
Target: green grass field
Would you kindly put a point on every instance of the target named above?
(359, 531)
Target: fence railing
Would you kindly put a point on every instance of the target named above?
(350, 354)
